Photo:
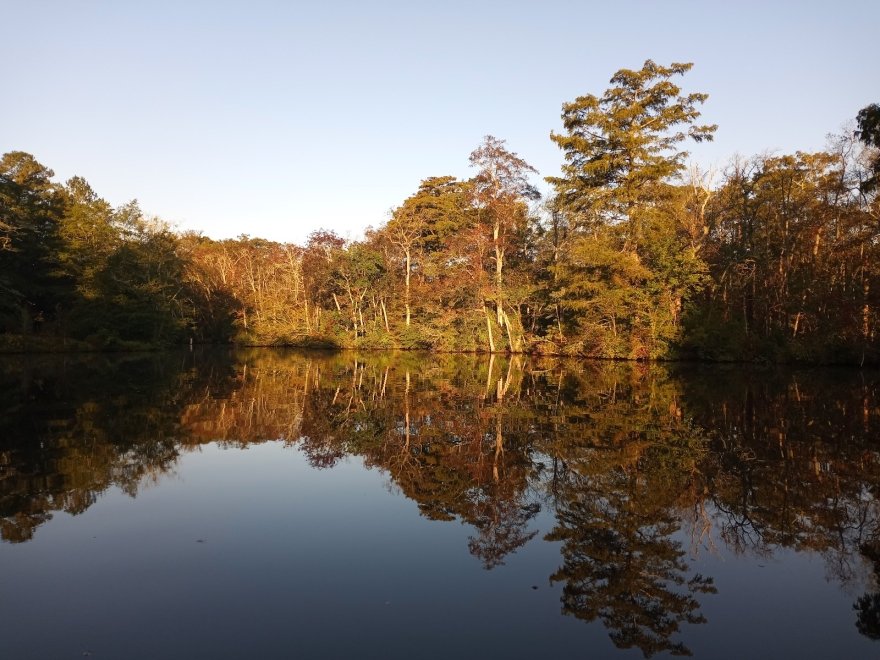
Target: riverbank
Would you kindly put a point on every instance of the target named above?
(35, 344)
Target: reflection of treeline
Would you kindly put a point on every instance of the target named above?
(636, 462)
(795, 459)
(72, 428)
(632, 255)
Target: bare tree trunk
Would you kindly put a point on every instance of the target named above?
(489, 375)
(406, 302)
(406, 409)
(489, 328)
(385, 315)
(499, 441)
(354, 311)
(513, 346)
(508, 378)
(499, 265)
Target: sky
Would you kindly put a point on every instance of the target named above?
(274, 119)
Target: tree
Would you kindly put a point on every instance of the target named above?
(357, 273)
(621, 148)
(323, 250)
(87, 231)
(868, 121)
(501, 188)
(404, 231)
(213, 304)
(621, 204)
(420, 228)
(791, 249)
(32, 284)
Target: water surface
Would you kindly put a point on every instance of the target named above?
(279, 504)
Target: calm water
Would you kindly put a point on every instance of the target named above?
(277, 505)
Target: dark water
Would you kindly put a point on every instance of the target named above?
(284, 505)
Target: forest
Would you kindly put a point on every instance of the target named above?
(635, 254)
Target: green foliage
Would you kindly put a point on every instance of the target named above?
(316, 343)
(413, 338)
(868, 121)
(33, 286)
(621, 146)
(624, 272)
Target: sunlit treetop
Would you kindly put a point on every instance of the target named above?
(628, 138)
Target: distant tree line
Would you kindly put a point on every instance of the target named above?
(634, 255)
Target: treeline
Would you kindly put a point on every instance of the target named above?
(633, 255)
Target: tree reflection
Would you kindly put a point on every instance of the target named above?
(868, 618)
(466, 459)
(622, 566)
(867, 606)
(628, 458)
(791, 465)
(625, 479)
(66, 439)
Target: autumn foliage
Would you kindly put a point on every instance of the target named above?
(634, 254)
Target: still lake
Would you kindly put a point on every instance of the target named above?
(279, 504)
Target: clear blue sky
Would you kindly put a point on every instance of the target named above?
(276, 118)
